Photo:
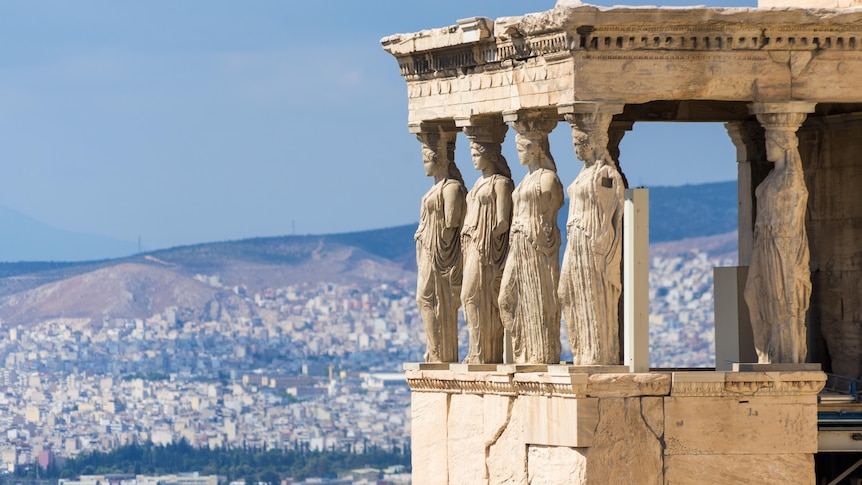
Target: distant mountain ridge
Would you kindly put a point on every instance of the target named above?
(26, 239)
(691, 211)
(676, 213)
(131, 285)
(208, 275)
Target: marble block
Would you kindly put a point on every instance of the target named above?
(560, 421)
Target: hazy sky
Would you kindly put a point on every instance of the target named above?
(186, 122)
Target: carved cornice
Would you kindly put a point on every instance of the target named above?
(679, 384)
(666, 34)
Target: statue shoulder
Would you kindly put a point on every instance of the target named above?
(503, 184)
(550, 181)
(453, 189)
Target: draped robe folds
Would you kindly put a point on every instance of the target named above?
(528, 295)
(778, 287)
(438, 261)
(484, 257)
(590, 282)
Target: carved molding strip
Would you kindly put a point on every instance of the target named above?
(639, 56)
(461, 386)
(697, 389)
(750, 384)
(451, 62)
(485, 53)
(774, 388)
(687, 384)
(551, 389)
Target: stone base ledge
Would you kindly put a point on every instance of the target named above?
(574, 382)
(496, 425)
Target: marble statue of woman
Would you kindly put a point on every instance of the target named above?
(778, 287)
(438, 247)
(528, 295)
(590, 282)
(484, 243)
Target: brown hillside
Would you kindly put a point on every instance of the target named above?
(126, 290)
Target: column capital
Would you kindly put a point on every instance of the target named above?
(591, 117)
(532, 121)
(483, 128)
(577, 107)
(758, 108)
(782, 116)
(486, 133)
(441, 142)
(432, 126)
(478, 120)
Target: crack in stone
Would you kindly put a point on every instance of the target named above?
(658, 436)
(498, 434)
(647, 421)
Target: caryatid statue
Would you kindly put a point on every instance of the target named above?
(438, 247)
(590, 281)
(528, 300)
(485, 243)
(778, 287)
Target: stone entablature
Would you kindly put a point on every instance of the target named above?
(630, 55)
(570, 425)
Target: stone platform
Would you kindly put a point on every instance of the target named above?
(574, 425)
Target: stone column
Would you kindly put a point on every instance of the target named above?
(438, 241)
(590, 280)
(529, 306)
(616, 132)
(778, 287)
(752, 168)
(485, 238)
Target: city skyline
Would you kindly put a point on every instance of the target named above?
(181, 125)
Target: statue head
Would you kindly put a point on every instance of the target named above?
(590, 136)
(486, 149)
(779, 142)
(532, 144)
(534, 150)
(438, 154)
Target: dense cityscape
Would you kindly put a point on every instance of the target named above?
(317, 367)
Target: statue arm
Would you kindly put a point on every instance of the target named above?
(503, 191)
(616, 221)
(552, 190)
(453, 206)
(606, 206)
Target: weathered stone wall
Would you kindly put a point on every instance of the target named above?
(565, 426)
(830, 147)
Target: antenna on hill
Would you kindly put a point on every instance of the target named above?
(139, 244)
(293, 226)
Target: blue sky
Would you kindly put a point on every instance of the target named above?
(187, 122)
